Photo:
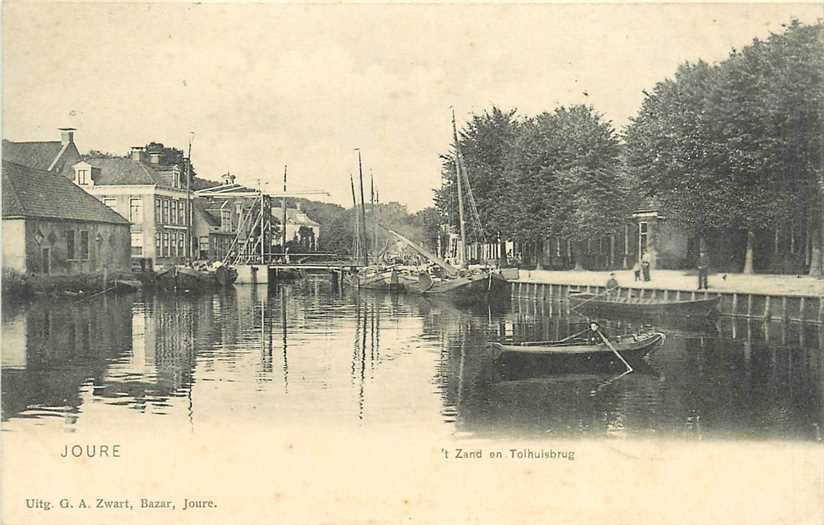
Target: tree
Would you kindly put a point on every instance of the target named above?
(738, 145)
(486, 142)
(428, 221)
(668, 147)
(170, 156)
(566, 172)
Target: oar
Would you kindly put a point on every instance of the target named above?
(565, 339)
(608, 382)
(605, 340)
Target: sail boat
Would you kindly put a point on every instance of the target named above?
(440, 278)
(374, 276)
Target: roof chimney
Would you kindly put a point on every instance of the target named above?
(67, 135)
(155, 157)
(138, 153)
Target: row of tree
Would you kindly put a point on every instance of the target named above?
(733, 145)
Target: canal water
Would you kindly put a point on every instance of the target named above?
(310, 355)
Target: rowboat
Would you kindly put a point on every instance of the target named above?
(563, 354)
(614, 304)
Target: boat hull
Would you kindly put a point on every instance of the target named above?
(184, 278)
(466, 289)
(387, 280)
(585, 303)
(557, 357)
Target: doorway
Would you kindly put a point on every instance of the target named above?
(46, 261)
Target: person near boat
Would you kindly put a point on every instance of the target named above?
(594, 336)
(703, 270)
(636, 269)
(645, 265)
(612, 284)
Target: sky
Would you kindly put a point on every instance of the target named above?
(265, 85)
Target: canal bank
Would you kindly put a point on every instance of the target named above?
(17, 286)
(757, 296)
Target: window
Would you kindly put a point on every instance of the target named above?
(204, 247)
(111, 202)
(157, 244)
(136, 211)
(84, 245)
(225, 220)
(82, 177)
(137, 243)
(70, 252)
(173, 244)
(165, 211)
(181, 209)
(165, 252)
(181, 244)
(158, 213)
(173, 218)
(558, 246)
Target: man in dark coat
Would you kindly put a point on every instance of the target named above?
(703, 270)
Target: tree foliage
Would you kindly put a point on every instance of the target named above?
(738, 144)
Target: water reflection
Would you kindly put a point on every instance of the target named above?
(311, 355)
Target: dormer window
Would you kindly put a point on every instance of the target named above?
(83, 174)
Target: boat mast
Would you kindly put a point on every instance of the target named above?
(283, 214)
(458, 172)
(189, 206)
(365, 241)
(374, 217)
(355, 243)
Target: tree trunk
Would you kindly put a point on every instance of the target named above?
(539, 254)
(501, 251)
(579, 265)
(817, 233)
(749, 253)
(814, 235)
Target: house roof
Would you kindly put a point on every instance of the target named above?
(648, 204)
(37, 155)
(202, 184)
(296, 216)
(29, 192)
(201, 208)
(126, 171)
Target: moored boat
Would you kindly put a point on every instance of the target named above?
(467, 286)
(186, 278)
(377, 278)
(615, 304)
(562, 354)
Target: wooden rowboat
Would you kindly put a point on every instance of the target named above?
(562, 354)
(599, 304)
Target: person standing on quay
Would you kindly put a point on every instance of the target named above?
(703, 270)
(636, 269)
(645, 262)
